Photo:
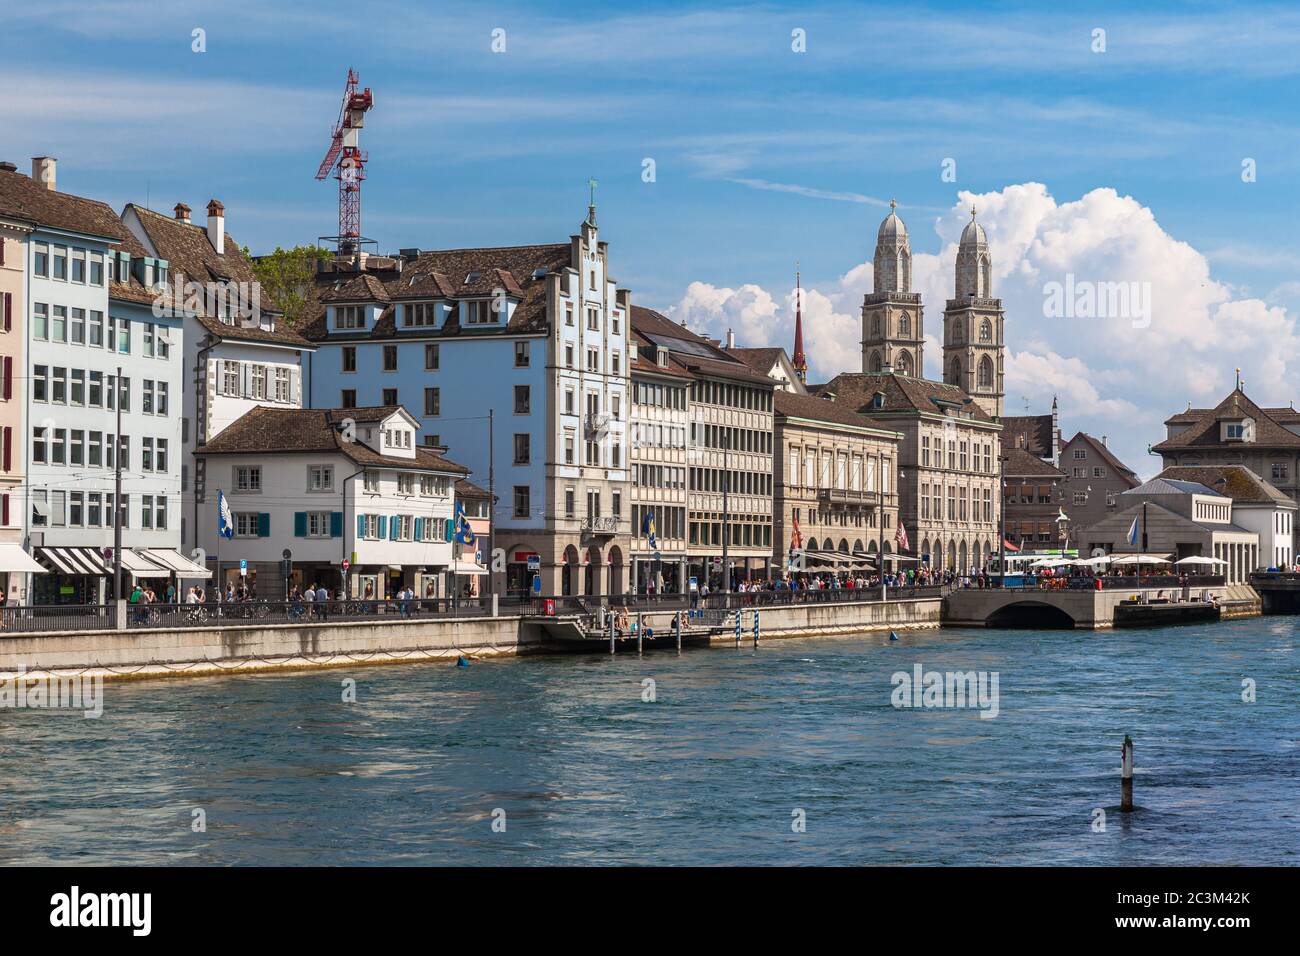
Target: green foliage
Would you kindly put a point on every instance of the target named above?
(287, 277)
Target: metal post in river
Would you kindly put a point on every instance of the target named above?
(611, 633)
(677, 627)
(640, 630)
(1126, 776)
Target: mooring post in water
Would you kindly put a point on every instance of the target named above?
(611, 632)
(677, 627)
(756, 627)
(1126, 776)
(640, 630)
(737, 627)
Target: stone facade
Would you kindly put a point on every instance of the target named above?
(893, 324)
(973, 340)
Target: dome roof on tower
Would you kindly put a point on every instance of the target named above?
(973, 234)
(892, 227)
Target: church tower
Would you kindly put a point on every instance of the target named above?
(893, 333)
(973, 324)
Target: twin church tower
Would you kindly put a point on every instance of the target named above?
(893, 324)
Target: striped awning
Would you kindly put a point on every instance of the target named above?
(72, 560)
(176, 563)
(138, 566)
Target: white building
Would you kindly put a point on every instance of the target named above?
(1257, 506)
(536, 335)
(238, 354)
(330, 485)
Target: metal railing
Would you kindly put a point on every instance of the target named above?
(587, 604)
(243, 613)
(1121, 582)
(57, 617)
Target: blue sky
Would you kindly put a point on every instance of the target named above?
(763, 156)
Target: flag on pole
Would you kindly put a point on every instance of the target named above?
(796, 539)
(648, 528)
(1133, 532)
(225, 520)
(900, 538)
(463, 533)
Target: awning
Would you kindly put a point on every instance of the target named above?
(138, 566)
(466, 567)
(14, 558)
(72, 560)
(177, 563)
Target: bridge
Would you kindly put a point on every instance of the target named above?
(1120, 602)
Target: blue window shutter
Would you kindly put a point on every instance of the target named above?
(394, 528)
(264, 525)
(448, 529)
(383, 527)
(336, 524)
(361, 526)
(300, 524)
(419, 528)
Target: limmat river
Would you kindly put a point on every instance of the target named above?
(791, 754)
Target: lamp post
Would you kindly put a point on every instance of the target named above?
(880, 485)
(726, 510)
(1002, 520)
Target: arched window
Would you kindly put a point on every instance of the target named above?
(954, 372)
(875, 363)
(904, 364)
(956, 336)
(904, 325)
(986, 331)
(986, 277)
(904, 271)
(985, 373)
(875, 326)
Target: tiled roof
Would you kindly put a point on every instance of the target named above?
(21, 197)
(645, 358)
(264, 430)
(467, 489)
(450, 274)
(1023, 464)
(791, 405)
(902, 393)
(1203, 430)
(1104, 454)
(192, 258)
(1030, 432)
(1238, 482)
(761, 360)
(699, 355)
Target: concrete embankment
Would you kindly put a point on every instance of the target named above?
(144, 652)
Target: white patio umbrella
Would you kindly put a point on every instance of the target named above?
(1098, 562)
(1142, 559)
(1201, 560)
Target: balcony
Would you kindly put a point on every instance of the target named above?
(597, 526)
(597, 426)
(845, 496)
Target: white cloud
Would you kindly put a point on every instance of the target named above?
(1119, 375)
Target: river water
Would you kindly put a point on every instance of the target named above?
(738, 747)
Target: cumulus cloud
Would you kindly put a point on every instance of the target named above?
(1122, 322)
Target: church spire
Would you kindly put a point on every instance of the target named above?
(799, 361)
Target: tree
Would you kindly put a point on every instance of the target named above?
(288, 279)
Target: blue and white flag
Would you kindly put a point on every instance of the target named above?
(648, 528)
(1133, 532)
(225, 520)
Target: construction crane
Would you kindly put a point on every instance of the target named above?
(348, 162)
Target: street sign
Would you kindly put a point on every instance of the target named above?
(693, 584)
(243, 568)
(537, 584)
(346, 564)
(534, 562)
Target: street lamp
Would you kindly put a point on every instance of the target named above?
(1002, 520)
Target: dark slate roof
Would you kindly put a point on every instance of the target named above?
(1172, 486)
(1104, 453)
(645, 359)
(1030, 432)
(902, 394)
(790, 405)
(1023, 464)
(698, 355)
(467, 489)
(1203, 430)
(1239, 483)
(264, 430)
(449, 274)
(21, 197)
(192, 258)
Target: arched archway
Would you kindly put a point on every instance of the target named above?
(875, 364)
(1034, 614)
(844, 545)
(985, 373)
(616, 570)
(925, 548)
(963, 563)
(857, 546)
(954, 371)
(905, 363)
(569, 575)
(986, 277)
(595, 566)
(812, 544)
(905, 326)
(952, 555)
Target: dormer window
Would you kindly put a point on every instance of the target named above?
(878, 400)
(479, 312)
(421, 314)
(661, 356)
(350, 317)
(473, 277)
(1235, 431)
(540, 273)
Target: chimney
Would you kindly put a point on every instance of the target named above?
(731, 339)
(8, 168)
(182, 213)
(217, 226)
(1103, 440)
(43, 171)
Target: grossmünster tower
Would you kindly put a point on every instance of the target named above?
(893, 331)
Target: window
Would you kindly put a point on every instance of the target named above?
(568, 312)
(146, 454)
(1080, 454)
(77, 330)
(41, 260)
(615, 364)
(420, 313)
(390, 396)
(568, 448)
(230, 378)
(568, 356)
(348, 398)
(350, 317)
(97, 268)
(281, 388)
(259, 382)
(146, 396)
(593, 360)
(593, 315)
(41, 383)
(431, 358)
(432, 402)
(405, 483)
(40, 320)
(318, 524)
(124, 336)
(320, 478)
(522, 400)
(147, 339)
(521, 501)
(521, 355)
(248, 478)
(58, 324)
(372, 482)
(390, 358)
(348, 356)
(246, 524)
(479, 312)
(1099, 472)
(60, 270)
(521, 448)
(59, 391)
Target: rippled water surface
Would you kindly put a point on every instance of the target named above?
(710, 773)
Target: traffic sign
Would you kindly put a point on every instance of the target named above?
(243, 567)
(346, 564)
(534, 562)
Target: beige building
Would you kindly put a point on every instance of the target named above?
(13, 309)
(893, 325)
(950, 501)
(660, 424)
(973, 324)
(836, 484)
(729, 455)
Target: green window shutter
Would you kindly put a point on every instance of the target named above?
(419, 529)
(361, 526)
(394, 528)
(448, 529)
(383, 527)
(263, 525)
(300, 524)
(336, 524)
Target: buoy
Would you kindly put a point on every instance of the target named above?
(462, 661)
(893, 636)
